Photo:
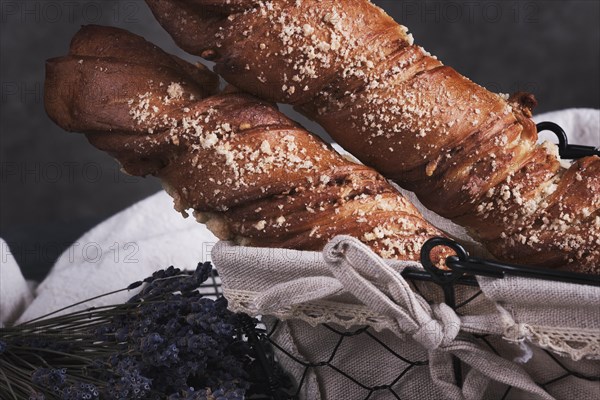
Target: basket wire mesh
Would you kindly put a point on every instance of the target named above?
(269, 351)
(462, 273)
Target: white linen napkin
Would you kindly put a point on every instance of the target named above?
(129, 246)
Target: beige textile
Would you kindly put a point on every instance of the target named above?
(310, 295)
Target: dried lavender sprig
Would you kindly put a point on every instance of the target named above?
(8, 384)
(132, 286)
(171, 296)
(61, 320)
(20, 379)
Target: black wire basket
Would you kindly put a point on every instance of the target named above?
(461, 272)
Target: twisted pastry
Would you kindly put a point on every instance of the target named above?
(248, 171)
(470, 155)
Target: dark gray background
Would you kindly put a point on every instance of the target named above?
(54, 186)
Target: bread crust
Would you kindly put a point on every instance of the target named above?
(470, 155)
(245, 169)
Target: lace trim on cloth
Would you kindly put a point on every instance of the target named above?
(314, 313)
(574, 343)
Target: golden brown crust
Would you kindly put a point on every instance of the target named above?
(469, 154)
(245, 169)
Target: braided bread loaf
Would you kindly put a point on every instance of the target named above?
(248, 171)
(470, 155)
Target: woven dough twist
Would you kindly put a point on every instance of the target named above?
(470, 155)
(249, 172)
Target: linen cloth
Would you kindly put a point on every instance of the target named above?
(348, 286)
